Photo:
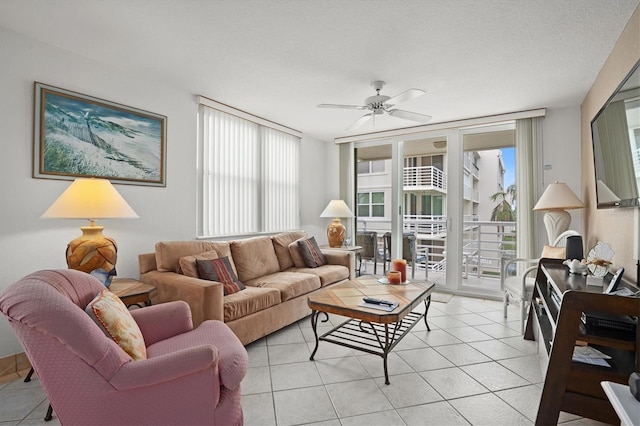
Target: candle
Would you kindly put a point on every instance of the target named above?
(394, 277)
(400, 265)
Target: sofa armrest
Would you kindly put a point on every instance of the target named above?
(147, 262)
(163, 368)
(162, 321)
(205, 298)
(344, 258)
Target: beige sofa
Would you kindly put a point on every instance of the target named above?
(271, 267)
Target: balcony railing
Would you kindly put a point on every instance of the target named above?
(424, 176)
(484, 242)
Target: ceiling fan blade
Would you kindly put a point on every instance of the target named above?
(360, 121)
(408, 115)
(342, 106)
(405, 96)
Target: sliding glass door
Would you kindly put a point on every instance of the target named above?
(443, 189)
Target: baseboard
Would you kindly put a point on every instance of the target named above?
(12, 365)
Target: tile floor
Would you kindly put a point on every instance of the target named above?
(473, 367)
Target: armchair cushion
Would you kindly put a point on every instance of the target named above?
(311, 253)
(162, 321)
(113, 317)
(220, 270)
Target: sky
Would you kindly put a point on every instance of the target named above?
(509, 160)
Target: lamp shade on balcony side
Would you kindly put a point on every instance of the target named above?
(336, 231)
(555, 199)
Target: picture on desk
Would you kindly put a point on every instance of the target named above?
(615, 281)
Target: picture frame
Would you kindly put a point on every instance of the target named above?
(77, 135)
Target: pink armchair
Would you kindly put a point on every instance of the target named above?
(189, 377)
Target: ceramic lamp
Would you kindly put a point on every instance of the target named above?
(557, 198)
(91, 199)
(336, 230)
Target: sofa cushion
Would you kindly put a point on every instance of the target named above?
(296, 256)
(168, 253)
(219, 270)
(328, 274)
(188, 263)
(311, 253)
(115, 320)
(290, 284)
(281, 245)
(249, 301)
(254, 257)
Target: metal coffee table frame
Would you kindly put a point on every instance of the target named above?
(369, 336)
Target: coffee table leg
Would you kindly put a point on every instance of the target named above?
(314, 326)
(385, 353)
(427, 303)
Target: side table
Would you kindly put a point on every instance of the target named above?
(356, 249)
(132, 292)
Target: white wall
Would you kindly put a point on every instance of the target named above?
(561, 155)
(28, 243)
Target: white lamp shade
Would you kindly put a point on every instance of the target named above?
(558, 196)
(336, 208)
(90, 198)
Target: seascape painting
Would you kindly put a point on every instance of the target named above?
(80, 136)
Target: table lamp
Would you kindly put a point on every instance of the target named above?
(91, 199)
(335, 231)
(557, 198)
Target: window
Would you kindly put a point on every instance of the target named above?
(249, 177)
(368, 167)
(371, 204)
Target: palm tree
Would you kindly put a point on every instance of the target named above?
(504, 212)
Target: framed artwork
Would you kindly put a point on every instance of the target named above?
(77, 135)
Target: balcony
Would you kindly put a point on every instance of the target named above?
(424, 178)
(484, 244)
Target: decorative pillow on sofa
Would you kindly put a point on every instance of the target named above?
(188, 263)
(115, 320)
(281, 244)
(311, 253)
(219, 270)
(296, 257)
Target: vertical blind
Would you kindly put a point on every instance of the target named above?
(250, 176)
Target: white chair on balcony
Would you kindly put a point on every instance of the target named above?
(520, 285)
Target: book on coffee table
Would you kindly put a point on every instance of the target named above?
(386, 308)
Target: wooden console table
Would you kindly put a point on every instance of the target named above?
(569, 385)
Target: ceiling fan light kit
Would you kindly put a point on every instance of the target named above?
(379, 104)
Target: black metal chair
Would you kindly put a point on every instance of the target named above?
(408, 250)
(368, 240)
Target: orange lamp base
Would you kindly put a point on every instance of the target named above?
(335, 233)
(92, 250)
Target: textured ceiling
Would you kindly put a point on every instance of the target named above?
(278, 59)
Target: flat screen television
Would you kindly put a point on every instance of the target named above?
(615, 132)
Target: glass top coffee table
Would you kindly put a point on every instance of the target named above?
(370, 330)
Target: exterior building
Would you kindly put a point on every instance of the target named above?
(425, 203)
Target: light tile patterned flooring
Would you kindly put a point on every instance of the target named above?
(473, 367)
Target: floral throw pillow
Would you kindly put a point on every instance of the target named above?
(115, 320)
(220, 270)
(311, 253)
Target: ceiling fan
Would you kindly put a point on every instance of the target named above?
(379, 104)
